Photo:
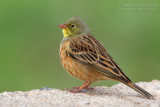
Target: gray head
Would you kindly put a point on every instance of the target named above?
(74, 27)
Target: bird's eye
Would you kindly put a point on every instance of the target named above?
(73, 26)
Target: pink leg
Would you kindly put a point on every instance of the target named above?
(78, 89)
(86, 87)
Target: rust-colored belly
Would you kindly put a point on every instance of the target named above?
(77, 69)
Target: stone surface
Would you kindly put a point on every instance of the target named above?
(116, 96)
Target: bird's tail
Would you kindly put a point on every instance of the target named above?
(139, 90)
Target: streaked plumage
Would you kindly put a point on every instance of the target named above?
(85, 58)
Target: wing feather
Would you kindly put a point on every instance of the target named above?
(87, 50)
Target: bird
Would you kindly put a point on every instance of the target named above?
(84, 57)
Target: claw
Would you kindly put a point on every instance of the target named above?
(87, 88)
(76, 91)
(82, 89)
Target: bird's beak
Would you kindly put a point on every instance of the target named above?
(63, 26)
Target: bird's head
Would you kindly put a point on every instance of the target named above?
(74, 27)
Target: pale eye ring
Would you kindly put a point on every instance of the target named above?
(73, 26)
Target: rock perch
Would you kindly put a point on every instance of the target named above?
(116, 96)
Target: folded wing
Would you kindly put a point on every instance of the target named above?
(88, 51)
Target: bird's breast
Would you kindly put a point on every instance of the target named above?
(77, 69)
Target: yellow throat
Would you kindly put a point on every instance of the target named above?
(66, 33)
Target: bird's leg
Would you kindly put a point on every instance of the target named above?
(86, 87)
(80, 89)
(83, 86)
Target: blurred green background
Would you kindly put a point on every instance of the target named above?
(30, 39)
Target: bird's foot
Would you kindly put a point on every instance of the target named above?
(87, 88)
(76, 90)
